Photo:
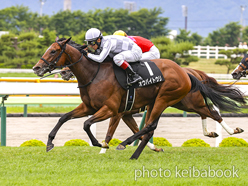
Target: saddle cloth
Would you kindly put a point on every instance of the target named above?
(148, 70)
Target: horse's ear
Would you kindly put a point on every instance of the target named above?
(67, 40)
(57, 38)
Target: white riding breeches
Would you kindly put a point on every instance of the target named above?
(153, 53)
(129, 55)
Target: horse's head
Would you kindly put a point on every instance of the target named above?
(54, 57)
(66, 74)
(240, 70)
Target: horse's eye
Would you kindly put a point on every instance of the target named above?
(53, 51)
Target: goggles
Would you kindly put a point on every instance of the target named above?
(91, 42)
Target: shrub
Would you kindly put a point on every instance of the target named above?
(33, 143)
(233, 142)
(159, 141)
(76, 142)
(195, 143)
(114, 142)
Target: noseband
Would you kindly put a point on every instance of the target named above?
(52, 64)
(243, 66)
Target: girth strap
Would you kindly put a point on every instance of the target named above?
(130, 99)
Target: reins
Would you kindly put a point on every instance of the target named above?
(53, 63)
(82, 86)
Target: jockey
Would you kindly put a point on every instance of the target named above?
(149, 50)
(121, 49)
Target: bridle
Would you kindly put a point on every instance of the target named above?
(244, 67)
(52, 65)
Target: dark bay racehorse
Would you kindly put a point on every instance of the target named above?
(193, 102)
(241, 69)
(103, 97)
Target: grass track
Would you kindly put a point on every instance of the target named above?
(84, 166)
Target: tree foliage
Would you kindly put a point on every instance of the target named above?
(234, 57)
(187, 36)
(176, 51)
(23, 47)
(228, 35)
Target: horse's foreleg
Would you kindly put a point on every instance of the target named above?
(78, 112)
(151, 127)
(142, 145)
(100, 115)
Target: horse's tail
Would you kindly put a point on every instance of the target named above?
(211, 96)
(228, 91)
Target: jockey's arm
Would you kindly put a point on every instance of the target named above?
(104, 53)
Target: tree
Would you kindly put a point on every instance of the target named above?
(147, 23)
(176, 51)
(245, 35)
(234, 57)
(17, 19)
(186, 36)
(228, 35)
(19, 51)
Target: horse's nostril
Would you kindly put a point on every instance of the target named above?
(62, 72)
(36, 68)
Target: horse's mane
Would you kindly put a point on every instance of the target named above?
(74, 44)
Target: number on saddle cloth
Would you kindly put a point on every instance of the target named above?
(146, 69)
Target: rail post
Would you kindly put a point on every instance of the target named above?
(3, 122)
(25, 109)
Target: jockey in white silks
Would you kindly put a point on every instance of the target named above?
(121, 49)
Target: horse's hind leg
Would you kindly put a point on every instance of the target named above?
(205, 129)
(204, 112)
(78, 112)
(100, 115)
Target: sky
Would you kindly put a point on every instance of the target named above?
(204, 16)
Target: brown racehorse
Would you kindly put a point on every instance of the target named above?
(191, 103)
(241, 69)
(103, 97)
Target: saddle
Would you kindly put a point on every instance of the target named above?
(148, 70)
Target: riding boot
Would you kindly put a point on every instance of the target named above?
(133, 77)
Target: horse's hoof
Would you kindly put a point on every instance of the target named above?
(238, 130)
(161, 150)
(105, 145)
(213, 135)
(120, 147)
(49, 147)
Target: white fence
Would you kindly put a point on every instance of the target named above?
(209, 51)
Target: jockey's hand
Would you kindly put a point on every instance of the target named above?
(84, 52)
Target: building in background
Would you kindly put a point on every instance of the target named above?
(67, 5)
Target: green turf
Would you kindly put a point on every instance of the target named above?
(208, 66)
(85, 166)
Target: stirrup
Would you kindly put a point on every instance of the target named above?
(129, 82)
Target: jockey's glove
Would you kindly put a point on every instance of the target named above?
(84, 52)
